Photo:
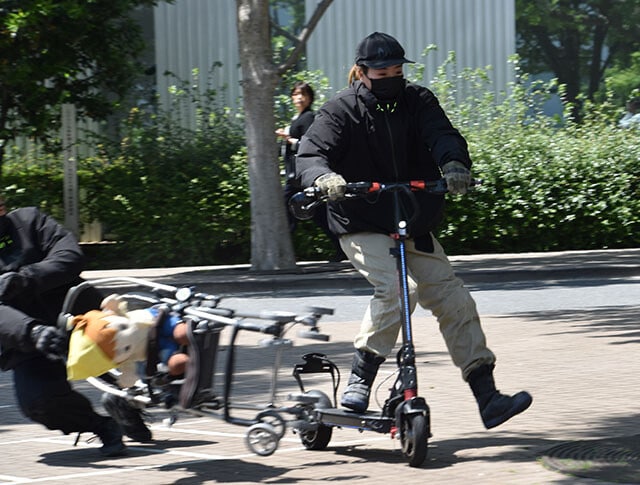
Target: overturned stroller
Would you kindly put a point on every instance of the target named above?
(125, 349)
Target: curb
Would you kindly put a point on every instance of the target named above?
(318, 275)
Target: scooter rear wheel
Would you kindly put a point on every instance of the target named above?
(414, 437)
(317, 439)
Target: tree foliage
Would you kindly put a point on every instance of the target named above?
(64, 51)
(623, 80)
(577, 40)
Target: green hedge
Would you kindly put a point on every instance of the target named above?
(549, 183)
(172, 196)
(549, 189)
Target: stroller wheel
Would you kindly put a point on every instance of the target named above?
(262, 439)
(274, 419)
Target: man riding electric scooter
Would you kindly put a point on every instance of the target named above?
(383, 128)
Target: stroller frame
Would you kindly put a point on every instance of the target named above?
(195, 394)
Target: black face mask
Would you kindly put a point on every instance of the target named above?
(387, 88)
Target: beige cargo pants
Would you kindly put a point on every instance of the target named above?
(432, 284)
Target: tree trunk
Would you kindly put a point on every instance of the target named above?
(596, 69)
(3, 134)
(271, 246)
(560, 59)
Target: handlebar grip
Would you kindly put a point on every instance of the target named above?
(313, 335)
(271, 329)
(362, 187)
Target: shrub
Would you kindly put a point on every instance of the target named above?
(173, 195)
(549, 184)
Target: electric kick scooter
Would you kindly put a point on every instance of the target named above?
(404, 415)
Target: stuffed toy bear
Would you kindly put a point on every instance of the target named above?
(114, 337)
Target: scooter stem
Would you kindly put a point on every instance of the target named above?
(405, 304)
(406, 355)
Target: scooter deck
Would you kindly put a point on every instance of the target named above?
(369, 420)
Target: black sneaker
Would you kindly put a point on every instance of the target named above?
(128, 417)
(111, 436)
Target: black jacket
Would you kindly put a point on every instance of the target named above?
(299, 126)
(364, 140)
(51, 259)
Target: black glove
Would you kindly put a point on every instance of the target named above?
(458, 177)
(51, 341)
(12, 284)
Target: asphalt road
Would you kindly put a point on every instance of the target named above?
(491, 298)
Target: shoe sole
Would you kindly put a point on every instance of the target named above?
(353, 406)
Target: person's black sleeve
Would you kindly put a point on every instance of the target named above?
(15, 329)
(320, 145)
(61, 259)
(443, 140)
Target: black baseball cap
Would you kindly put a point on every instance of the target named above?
(380, 50)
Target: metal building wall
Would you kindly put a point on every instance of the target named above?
(480, 32)
(196, 33)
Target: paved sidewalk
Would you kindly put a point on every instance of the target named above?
(580, 366)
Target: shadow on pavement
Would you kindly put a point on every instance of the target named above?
(604, 320)
(204, 470)
(80, 458)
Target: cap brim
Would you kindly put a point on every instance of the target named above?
(380, 64)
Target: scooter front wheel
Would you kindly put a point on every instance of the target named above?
(414, 437)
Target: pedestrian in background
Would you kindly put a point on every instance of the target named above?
(631, 117)
(302, 97)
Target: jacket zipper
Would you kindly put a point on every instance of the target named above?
(390, 108)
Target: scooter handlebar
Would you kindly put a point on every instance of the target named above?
(303, 204)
